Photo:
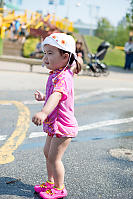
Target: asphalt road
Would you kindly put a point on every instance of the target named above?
(98, 162)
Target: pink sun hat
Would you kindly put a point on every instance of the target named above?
(61, 41)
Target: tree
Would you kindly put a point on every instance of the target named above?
(121, 35)
(129, 16)
(104, 29)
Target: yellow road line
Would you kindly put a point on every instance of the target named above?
(18, 136)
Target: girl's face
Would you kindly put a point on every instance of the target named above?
(78, 45)
(52, 59)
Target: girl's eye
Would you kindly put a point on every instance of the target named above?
(47, 53)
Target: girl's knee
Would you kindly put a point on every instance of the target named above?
(52, 160)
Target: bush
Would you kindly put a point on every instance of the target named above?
(29, 46)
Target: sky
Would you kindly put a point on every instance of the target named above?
(89, 11)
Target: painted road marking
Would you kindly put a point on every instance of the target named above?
(33, 102)
(3, 137)
(37, 134)
(86, 95)
(86, 127)
(99, 92)
(81, 96)
(22, 126)
(18, 136)
(90, 126)
(105, 123)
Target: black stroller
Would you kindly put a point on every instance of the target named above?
(95, 67)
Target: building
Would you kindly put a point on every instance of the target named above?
(85, 29)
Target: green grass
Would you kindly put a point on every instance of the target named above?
(1, 46)
(113, 57)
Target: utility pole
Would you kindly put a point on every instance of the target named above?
(67, 10)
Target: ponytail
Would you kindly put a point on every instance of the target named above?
(75, 65)
(78, 67)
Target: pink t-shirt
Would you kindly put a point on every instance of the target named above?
(61, 121)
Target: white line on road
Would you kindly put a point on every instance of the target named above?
(84, 127)
(81, 96)
(99, 92)
(37, 134)
(3, 137)
(105, 123)
(91, 126)
(88, 94)
(33, 102)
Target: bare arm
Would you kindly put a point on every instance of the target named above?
(52, 102)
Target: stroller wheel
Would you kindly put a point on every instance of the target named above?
(97, 74)
(89, 73)
(105, 72)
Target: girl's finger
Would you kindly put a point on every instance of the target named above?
(36, 94)
(32, 119)
(40, 123)
(37, 91)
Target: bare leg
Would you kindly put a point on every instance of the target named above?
(46, 152)
(56, 151)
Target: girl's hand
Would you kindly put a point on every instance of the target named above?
(38, 118)
(39, 96)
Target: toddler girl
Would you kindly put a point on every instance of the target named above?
(57, 114)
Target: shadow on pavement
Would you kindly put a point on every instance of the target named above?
(12, 186)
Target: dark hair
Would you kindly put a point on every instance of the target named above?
(79, 42)
(77, 69)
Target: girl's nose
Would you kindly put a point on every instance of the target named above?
(43, 61)
(44, 58)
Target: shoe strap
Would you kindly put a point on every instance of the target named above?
(54, 190)
(50, 182)
(60, 188)
(43, 185)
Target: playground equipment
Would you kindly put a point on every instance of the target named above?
(7, 17)
(35, 22)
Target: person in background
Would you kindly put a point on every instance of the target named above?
(22, 33)
(128, 48)
(80, 52)
(16, 30)
(79, 49)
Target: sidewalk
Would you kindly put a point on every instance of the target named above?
(16, 76)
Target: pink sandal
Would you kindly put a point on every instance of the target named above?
(44, 186)
(54, 193)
